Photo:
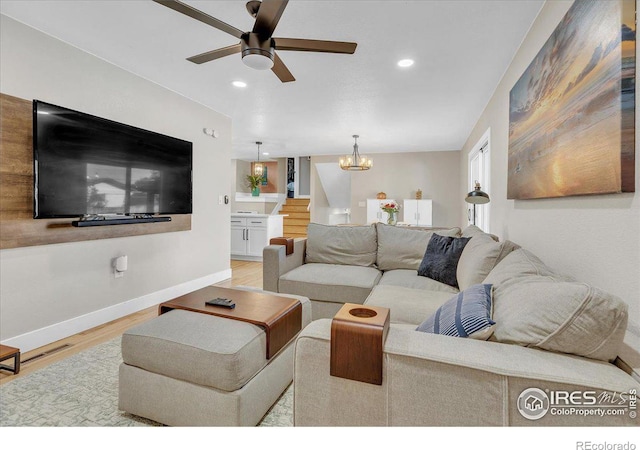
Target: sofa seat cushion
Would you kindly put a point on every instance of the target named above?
(330, 282)
(411, 279)
(479, 257)
(406, 305)
(197, 348)
(348, 245)
(404, 247)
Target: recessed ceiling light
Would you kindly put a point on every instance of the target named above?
(265, 153)
(240, 84)
(405, 62)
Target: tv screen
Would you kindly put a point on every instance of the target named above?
(85, 165)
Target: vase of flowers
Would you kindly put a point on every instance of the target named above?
(392, 209)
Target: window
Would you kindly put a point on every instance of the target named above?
(479, 171)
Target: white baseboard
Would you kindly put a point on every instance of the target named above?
(43, 336)
(246, 258)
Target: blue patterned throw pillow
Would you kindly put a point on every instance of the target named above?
(467, 314)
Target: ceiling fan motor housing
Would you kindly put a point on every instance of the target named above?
(253, 6)
(257, 53)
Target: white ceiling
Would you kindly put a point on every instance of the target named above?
(461, 50)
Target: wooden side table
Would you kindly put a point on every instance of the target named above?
(7, 352)
(358, 333)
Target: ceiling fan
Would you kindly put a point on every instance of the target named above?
(257, 46)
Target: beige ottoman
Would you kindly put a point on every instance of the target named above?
(190, 369)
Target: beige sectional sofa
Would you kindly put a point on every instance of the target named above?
(341, 264)
(556, 340)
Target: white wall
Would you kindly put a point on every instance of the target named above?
(594, 238)
(399, 175)
(52, 290)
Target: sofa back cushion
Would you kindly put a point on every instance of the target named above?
(536, 307)
(561, 316)
(404, 247)
(348, 245)
(479, 257)
(520, 263)
(472, 230)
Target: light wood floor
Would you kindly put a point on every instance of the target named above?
(244, 273)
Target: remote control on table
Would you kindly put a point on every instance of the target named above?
(225, 302)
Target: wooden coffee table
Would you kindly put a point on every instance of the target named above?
(281, 317)
(7, 352)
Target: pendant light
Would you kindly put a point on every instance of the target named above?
(258, 167)
(355, 161)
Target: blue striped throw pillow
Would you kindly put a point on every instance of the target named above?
(467, 314)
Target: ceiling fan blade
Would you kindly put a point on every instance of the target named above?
(202, 17)
(311, 45)
(215, 54)
(281, 70)
(268, 17)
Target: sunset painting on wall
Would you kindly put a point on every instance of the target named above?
(572, 112)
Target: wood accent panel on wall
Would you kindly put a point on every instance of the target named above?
(18, 228)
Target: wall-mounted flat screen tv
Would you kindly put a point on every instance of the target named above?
(86, 165)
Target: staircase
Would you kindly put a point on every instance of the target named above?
(297, 217)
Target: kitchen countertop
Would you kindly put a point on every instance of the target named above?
(237, 214)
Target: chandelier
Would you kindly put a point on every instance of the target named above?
(258, 167)
(355, 161)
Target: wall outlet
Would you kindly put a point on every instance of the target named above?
(220, 199)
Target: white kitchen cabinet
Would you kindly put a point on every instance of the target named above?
(238, 242)
(257, 240)
(374, 211)
(418, 212)
(251, 233)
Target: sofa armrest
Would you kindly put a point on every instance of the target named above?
(275, 262)
(432, 380)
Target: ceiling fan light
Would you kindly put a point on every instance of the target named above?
(257, 53)
(257, 61)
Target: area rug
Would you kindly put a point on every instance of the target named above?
(82, 390)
